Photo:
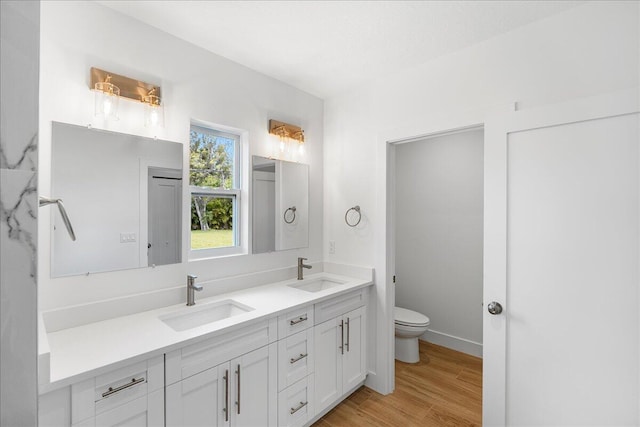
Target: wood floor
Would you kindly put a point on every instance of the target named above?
(443, 389)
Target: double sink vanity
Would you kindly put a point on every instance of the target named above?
(280, 354)
(258, 349)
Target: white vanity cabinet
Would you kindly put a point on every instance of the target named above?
(283, 370)
(132, 396)
(230, 380)
(340, 363)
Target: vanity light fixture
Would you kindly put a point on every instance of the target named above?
(288, 136)
(109, 87)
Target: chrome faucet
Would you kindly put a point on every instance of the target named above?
(191, 288)
(302, 265)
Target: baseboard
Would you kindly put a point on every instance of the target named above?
(455, 343)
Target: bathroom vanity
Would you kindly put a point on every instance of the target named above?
(281, 354)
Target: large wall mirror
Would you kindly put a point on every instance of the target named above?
(123, 196)
(280, 205)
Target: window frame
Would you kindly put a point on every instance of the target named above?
(235, 194)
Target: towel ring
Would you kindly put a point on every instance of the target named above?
(356, 209)
(293, 218)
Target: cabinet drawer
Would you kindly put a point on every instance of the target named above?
(195, 358)
(295, 358)
(295, 321)
(108, 391)
(145, 411)
(295, 403)
(339, 305)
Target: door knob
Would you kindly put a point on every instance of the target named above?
(494, 307)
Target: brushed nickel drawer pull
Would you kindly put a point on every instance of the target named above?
(348, 335)
(298, 320)
(238, 401)
(226, 395)
(341, 337)
(300, 406)
(122, 387)
(302, 356)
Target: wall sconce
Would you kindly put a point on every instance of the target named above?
(110, 87)
(290, 140)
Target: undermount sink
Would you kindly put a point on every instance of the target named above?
(191, 317)
(316, 285)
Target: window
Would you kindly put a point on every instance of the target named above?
(214, 183)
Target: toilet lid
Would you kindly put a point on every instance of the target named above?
(407, 317)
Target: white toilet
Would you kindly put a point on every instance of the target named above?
(409, 326)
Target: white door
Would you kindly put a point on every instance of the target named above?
(353, 363)
(254, 390)
(562, 260)
(264, 211)
(200, 400)
(328, 363)
(165, 207)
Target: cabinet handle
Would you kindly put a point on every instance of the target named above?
(238, 401)
(300, 406)
(226, 395)
(122, 387)
(294, 360)
(298, 320)
(348, 335)
(341, 337)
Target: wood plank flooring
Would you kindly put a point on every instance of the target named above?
(443, 389)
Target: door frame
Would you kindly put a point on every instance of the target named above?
(497, 130)
(382, 374)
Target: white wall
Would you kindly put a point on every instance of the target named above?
(439, 206)
(587, 50)
(19, 22)
(195, 85)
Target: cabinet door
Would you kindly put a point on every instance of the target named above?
(200, 400)
(254, 388)
(353, 362)
(146, 411)
(328, 363)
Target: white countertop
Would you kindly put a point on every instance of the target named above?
(85, 351)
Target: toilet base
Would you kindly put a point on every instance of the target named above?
(407, 350)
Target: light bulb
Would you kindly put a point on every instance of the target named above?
(153, 117)
(301, 149)
(107, 105)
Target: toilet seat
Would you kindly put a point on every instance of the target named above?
(409, 318)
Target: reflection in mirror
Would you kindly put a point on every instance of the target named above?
(123, 194)
(280, 205)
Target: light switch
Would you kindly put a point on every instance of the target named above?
(127, 237)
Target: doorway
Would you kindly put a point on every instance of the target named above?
(164, 216)
(438, 228)
(439, 235)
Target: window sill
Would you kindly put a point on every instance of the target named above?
(204, 254)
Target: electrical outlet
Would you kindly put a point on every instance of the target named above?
(332, 247)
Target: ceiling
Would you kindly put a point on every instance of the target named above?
(325, 47)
